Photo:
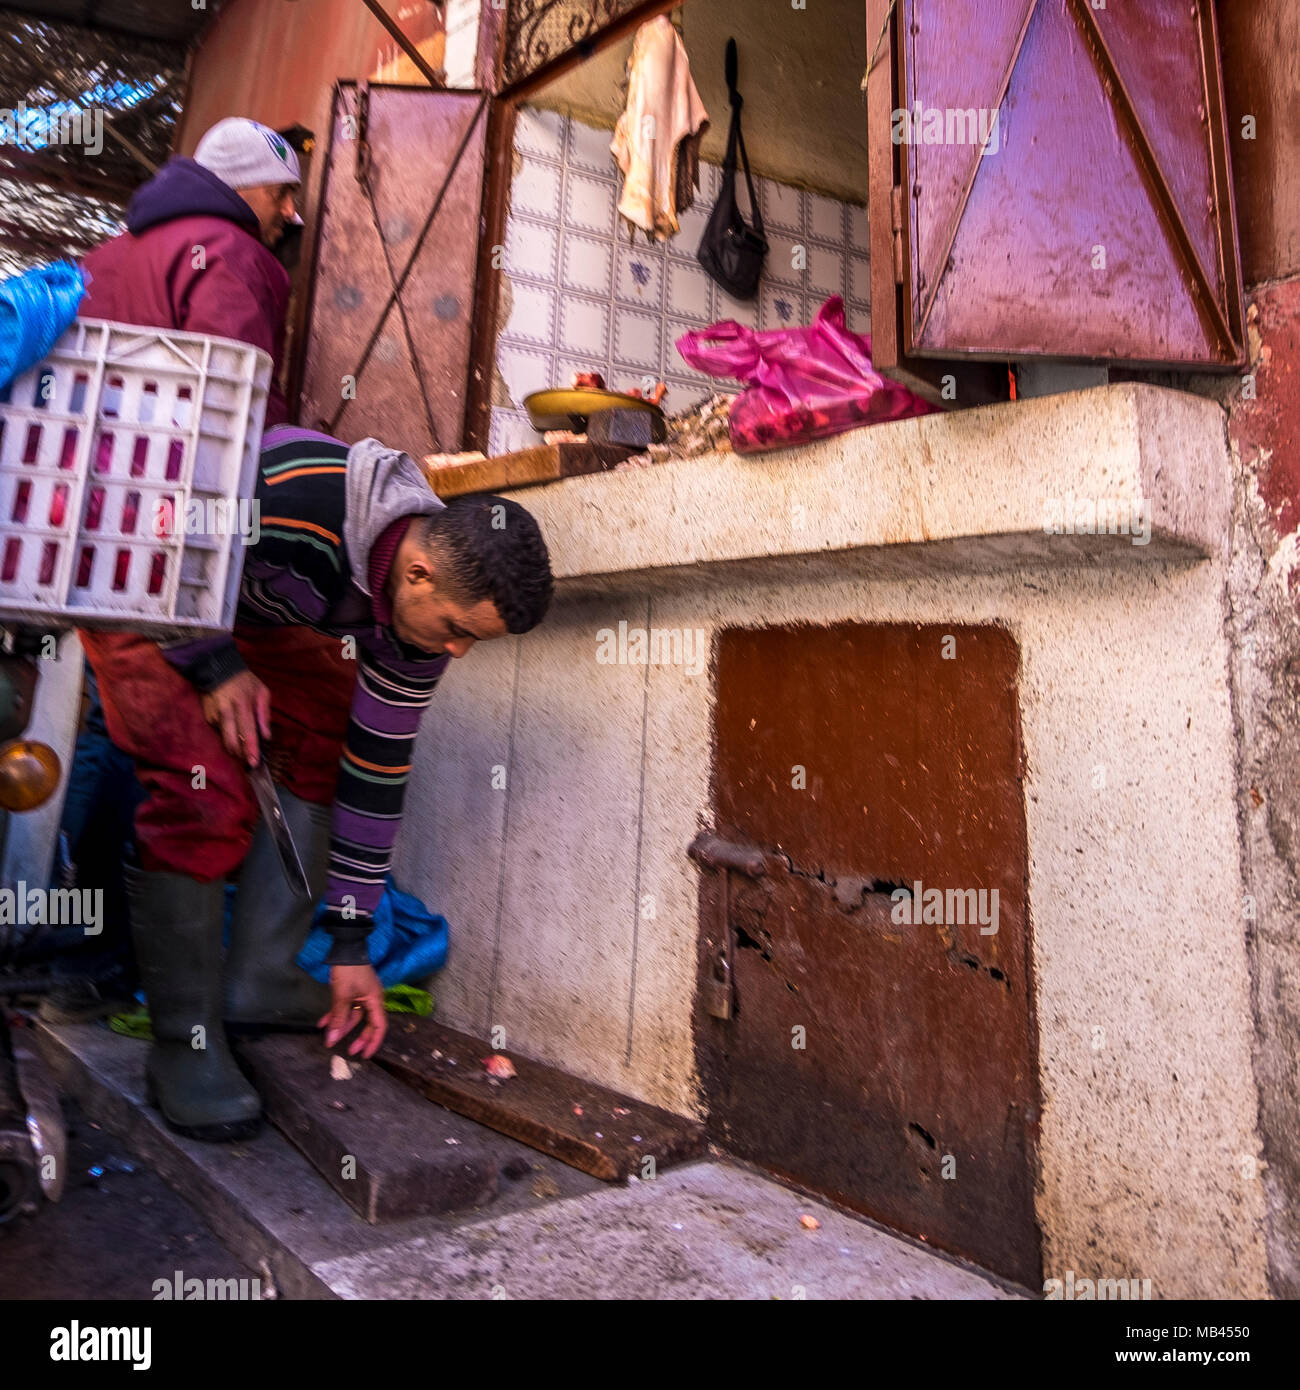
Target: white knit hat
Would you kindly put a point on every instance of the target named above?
(244, 153)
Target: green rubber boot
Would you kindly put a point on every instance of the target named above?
(190, 1074)
(266, 989)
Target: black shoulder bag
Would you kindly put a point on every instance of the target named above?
(731, 252)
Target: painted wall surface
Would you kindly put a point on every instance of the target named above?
(582, 296)
(462, 21)
(277, 60)
(801, 69)
(1260, 42)
(1264, 430)
(554, 796)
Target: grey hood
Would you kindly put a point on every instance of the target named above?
(383, 484)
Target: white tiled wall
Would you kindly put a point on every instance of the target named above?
(587, 299)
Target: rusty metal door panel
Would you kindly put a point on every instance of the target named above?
(918, 1052)
(409, 354)
(1260, 42)
(1110, 134)
(1154, 48)
(960, 77)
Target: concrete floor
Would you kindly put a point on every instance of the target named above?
(708, 1230)
(117, 1230)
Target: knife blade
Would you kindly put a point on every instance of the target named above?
(268, 799)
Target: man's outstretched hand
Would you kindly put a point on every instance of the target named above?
(357, 995)
(240, 711)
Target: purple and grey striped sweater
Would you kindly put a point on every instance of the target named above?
(323, 507)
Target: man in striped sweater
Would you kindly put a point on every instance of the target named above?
(360, 589)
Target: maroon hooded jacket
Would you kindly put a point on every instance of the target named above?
(147, 275)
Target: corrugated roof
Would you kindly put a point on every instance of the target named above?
(64, 180)
(167, 21)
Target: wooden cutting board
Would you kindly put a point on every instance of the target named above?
(606, 1134)
(525, 468)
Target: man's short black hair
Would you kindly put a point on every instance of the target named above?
(490, 547)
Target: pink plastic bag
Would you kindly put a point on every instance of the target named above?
(804, 383)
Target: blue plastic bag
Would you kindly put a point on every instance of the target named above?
(407, 943)
(35, 308)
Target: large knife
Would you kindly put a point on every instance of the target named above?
(268, 799)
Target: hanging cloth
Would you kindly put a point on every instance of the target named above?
(656, 141)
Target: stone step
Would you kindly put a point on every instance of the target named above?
(706, 1230)
(262, 1198)
(386, 1151)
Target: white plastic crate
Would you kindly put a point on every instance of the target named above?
(107, 448)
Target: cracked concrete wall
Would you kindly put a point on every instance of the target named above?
(1262, 422)
(1265, 630)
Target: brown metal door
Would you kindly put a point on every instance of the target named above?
(1093, 218)
(890, 1065)
(388, 338)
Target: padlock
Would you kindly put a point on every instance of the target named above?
(717, 990)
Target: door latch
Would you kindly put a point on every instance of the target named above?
(717, 989)
(713, 852)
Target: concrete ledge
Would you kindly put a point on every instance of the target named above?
(967, 490)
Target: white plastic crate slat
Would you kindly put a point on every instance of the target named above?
(114, 425)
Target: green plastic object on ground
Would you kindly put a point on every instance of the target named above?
(398, 999)
(406, 999)
(133, 1024)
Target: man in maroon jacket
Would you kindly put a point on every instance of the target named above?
(196, 252)
(196, 255)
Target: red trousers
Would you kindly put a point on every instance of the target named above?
(154, 715)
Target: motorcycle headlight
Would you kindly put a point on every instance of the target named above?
(29, 774)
